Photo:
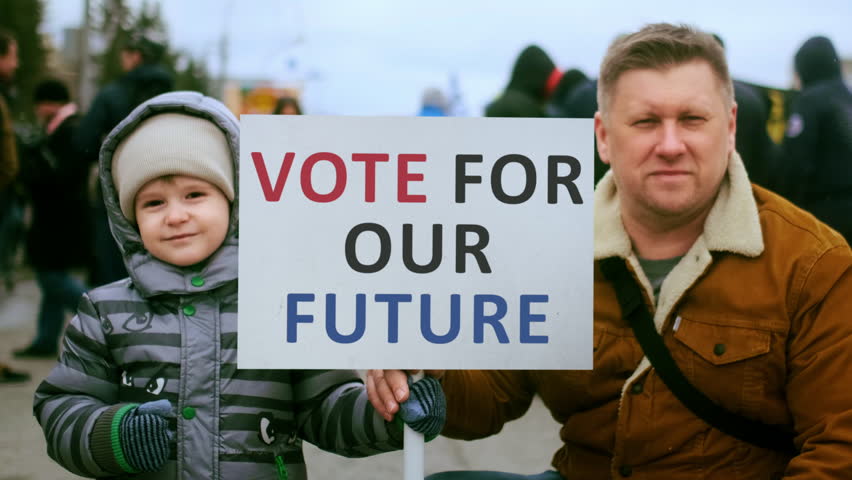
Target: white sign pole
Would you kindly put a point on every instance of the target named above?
(414, 448)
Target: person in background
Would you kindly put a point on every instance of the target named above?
(748, 294)
(760, 154)
(58, 238)
(8, 162)
(143, 78)
(433, 104)
(581, 102)
(817, 146)
(557, 106)
(287, 106)
(11, 208)
(8, 148)
(534, 78)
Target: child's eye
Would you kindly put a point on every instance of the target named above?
(195, 195)
(152, 203)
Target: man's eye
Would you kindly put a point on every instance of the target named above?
(693, 119)
(644, 122)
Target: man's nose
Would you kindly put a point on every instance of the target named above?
(671, 143)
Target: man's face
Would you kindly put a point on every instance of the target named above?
(130, 59)
(668, 136)
(182, 220)
(46, 110)
(9, 62)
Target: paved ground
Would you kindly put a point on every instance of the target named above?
(524, 446)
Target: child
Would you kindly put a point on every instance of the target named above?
(166, 337)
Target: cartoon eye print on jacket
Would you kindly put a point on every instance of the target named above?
(155, 386)
(126, 379)
(106, 325)
(138, 322)
(267, 429)
(158, 381)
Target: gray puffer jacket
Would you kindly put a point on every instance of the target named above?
(171, 332)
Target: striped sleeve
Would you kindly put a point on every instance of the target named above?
(79, 389)
(334, 414)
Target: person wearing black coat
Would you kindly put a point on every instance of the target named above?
(8, 166)
(534, 77)
(144, 78)
(58, 237)
(759, 153)
(568, 83)
(818, 141)
(582, 102)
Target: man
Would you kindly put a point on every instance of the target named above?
(143, 78)
(818, 141)
(750, 294)
(8, 154)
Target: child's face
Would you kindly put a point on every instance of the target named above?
(182, 219)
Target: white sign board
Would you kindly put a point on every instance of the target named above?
(443, 243)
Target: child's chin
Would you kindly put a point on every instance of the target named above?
(185, 260)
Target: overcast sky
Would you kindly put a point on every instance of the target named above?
(375, 57)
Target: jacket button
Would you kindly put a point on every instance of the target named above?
(188, 413)
(189, 310)
(625, 470)
(636, 388)
(197, 282)
(719, 349)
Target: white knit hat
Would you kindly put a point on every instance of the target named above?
(171, 144)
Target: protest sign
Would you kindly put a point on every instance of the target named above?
(415, 242)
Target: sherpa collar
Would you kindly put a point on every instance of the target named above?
(732, 226)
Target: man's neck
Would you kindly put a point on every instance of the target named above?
(656, 239)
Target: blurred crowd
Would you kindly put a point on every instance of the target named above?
(52, 215)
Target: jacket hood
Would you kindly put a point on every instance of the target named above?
(570, 81)
(816, 61)
(149, 274)
(531, 72)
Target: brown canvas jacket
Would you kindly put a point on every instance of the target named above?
(758, 315)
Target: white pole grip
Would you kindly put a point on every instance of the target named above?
(413, 448)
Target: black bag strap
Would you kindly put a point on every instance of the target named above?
(633, 309)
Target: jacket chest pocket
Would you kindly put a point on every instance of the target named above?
(729, 362)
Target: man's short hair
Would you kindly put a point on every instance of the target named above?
(660, 46)
(6, 40)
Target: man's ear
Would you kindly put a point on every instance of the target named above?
(732, 128)
(601, 135)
